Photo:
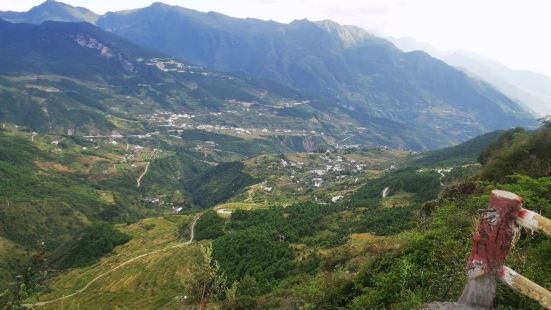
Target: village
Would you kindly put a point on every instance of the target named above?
(324, 178)
(178, 122)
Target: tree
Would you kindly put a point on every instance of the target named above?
(209, 281)
(29, 283)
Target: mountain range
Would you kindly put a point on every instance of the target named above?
(76, 78)
(531, 89)
(408, 100)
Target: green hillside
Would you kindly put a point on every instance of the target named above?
(410, 100)
(76, 79)
(464, 153)
(399, 250)
(351, 80)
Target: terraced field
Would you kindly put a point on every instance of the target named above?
(151, 281)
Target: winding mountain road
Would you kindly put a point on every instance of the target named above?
(82, 290)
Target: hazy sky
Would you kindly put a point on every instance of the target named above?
(514, 32)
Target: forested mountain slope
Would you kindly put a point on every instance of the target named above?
(372, 79)
(409, 100)
(74, 77)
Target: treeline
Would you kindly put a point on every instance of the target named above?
(258, 244)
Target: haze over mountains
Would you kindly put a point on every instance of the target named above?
(52, 11)
(408, 100)
(532, 89)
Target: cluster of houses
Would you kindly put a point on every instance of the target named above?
(179, 122)
(320, 172)
(170, 65)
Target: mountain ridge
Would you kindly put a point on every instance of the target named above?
(413, 97)
(51, 10)
(367, 75)
(531, 89)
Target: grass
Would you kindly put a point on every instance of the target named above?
(366, 242)
(12, 257)
(241, 206)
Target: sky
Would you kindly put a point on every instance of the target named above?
(514, 32)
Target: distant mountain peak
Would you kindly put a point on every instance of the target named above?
(51, 10)
(160, 5)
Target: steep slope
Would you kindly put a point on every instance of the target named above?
(53, 11)
(464, 153)
(372, 79)
(531, 89)
(407, 100)
(76, 78)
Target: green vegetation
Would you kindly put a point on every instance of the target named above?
(430, 266)
(209, 281)
(434, 239)
(255, 253)
(95, 241)
(424, 185)
(363, 251)
(219, 184)
(388, 221)
(156, 281)
(209, 226)
(464, 153)
(518, 152)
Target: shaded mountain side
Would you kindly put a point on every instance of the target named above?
(518, 152)
(219, 184)
(407, 100)
(532, 90)
(366, 75)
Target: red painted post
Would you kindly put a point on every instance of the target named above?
(492, 241)
(491, 244)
